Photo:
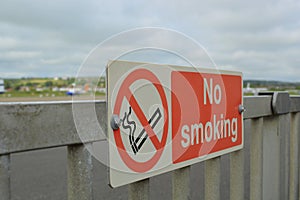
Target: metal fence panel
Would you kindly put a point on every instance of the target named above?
(266, 168)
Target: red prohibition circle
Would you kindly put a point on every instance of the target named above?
(124, 91)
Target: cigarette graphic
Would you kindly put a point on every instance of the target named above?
(137, 143)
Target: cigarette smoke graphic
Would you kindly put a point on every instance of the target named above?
(131, 125)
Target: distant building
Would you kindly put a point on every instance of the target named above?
(24, 89)
(2, 89)
(55, 89)
(253, 91)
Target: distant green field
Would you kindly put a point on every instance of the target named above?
(41, 94)
(42, 87)
(39, 81)
(31, 94)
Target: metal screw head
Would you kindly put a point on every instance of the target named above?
(241, 109)
(115, 122)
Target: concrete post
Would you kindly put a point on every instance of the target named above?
(271, 159)
(212, 179)
(284, 125)
(5, 177)
(79, 173)
(181, 183)
(237, 175)
(294, 157)
(139, 190)
(256, 159)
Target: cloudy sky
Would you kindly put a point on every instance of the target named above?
(261, 38)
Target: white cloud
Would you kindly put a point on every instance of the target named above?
(38, 37)
(8, 43)
(13, 55)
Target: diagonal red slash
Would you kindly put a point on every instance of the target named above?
(142, 118)
(124, 92)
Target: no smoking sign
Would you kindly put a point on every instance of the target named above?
(137, 139)
(167, 117)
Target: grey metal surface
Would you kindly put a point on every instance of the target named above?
(295, 104)
(257, 106)
(247, 163)
(181, 184)
(42, 175)
(294, 157)
(139, 190)
(212, 179)
(197, 181)
(31, 126)
(161, 186)
(284, 133)
(256, 158)
(270, 168)
(225, 176)
(5, 177)
(281, 103)
(237, 175)
(80, 173)
(271, 159)
(39, 175)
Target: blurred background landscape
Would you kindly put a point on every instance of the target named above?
(34, 89)
(63, 88)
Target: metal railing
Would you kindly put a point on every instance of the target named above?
(266, 168)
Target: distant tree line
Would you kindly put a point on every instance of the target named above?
(272, 84)
(17, 84)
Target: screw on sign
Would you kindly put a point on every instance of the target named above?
(137, 140)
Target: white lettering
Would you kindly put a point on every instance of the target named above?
(217, 89)
(208, 129)
(226, 124)
(208, 90)
(218, 129)
(214, 97)
(217, 134)
(185, 135)
(195, 129)
(234, 127)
